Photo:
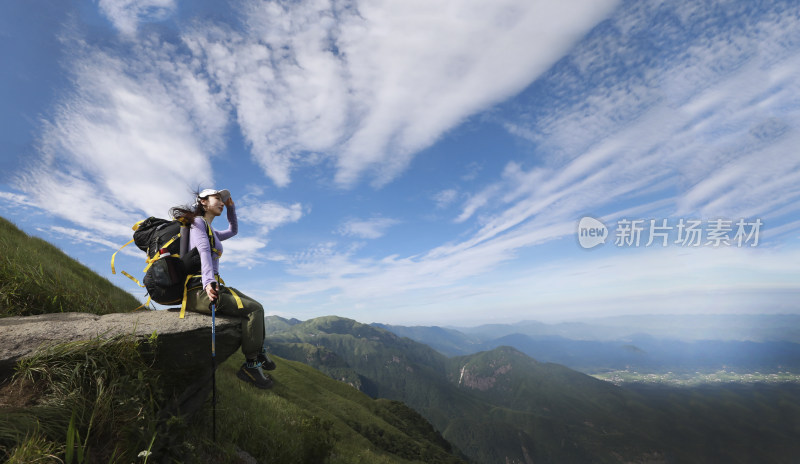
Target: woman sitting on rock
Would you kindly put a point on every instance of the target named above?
(200, 290)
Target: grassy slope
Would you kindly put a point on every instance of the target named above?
(307, 413)
(38, 278)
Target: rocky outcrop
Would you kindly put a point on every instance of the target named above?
(476, 382)
(183, 349)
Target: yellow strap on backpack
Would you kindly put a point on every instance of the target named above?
(114, 256)
(114, 271)
(185, 292)
(157, 256)
(132, 278)
(239, 303)
(236, 297)
(145, 305)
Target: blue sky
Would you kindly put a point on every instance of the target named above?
(417, 162)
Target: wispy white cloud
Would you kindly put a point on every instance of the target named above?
(367, 228)
(457, 282)
(346, 277)
(16, 199)
(92, 238)
(268, 215)
(792, 228)
(130, 139)
(473, 170)
(705, 280)
(243, 252)
(248, 248)
(646, 281)
(477, 201)
(127, 14)
(369, 84)
(445, 198)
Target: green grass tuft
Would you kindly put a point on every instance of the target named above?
(38, 278)
(98, 398)
(35, 449)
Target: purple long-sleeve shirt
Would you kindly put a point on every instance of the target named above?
(198, 237)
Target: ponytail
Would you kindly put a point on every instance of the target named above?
(187, 213)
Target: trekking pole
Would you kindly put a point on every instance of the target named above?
(213, 306)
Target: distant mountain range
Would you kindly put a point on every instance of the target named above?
(501, 405)
(767, 343)
(723, 327)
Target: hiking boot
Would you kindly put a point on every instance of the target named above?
(266, 363)
(252, 373)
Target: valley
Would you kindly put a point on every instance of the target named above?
(697, 378)
(502, 405)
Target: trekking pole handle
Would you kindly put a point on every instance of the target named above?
(214, 286)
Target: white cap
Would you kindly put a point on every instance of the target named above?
(224, 194)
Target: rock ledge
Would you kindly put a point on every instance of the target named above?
(183, 349)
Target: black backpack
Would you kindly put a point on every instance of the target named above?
(166, 273)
